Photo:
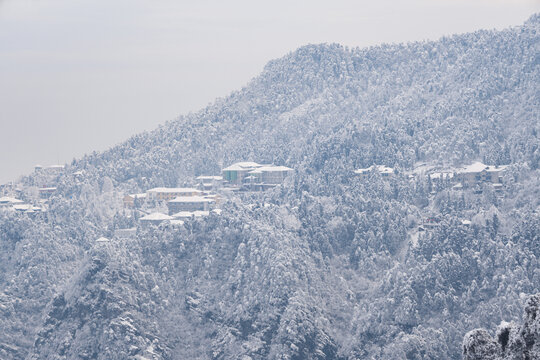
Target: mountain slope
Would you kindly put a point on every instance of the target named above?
(327, 266)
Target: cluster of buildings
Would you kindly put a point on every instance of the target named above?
(472, 176)
(13, 204)
(469, 176)
(177, 199)
(45, 179)
(206, 196)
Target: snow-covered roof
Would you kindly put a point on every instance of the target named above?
(243, 165)
(173, 190)
(102, 240)
(138, 196)
(271, 168)
(191, 199)
(477, 167)
(10, 200)
(156, 217)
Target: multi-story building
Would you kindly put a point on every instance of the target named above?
(477, 173)
(235, 173)
(190, 203)
(255, 175)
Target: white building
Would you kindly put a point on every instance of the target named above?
(154, 218)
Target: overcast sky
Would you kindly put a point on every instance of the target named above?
(80, 75)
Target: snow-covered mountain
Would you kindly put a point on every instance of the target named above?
(329, 265)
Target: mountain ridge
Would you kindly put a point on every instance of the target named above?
(284, 99)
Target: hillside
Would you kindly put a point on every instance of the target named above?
(329, 265)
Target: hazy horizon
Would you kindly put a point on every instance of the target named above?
(78, 79)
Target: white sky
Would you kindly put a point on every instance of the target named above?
(80, 75)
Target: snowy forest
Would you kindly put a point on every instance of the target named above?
(328, 265)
